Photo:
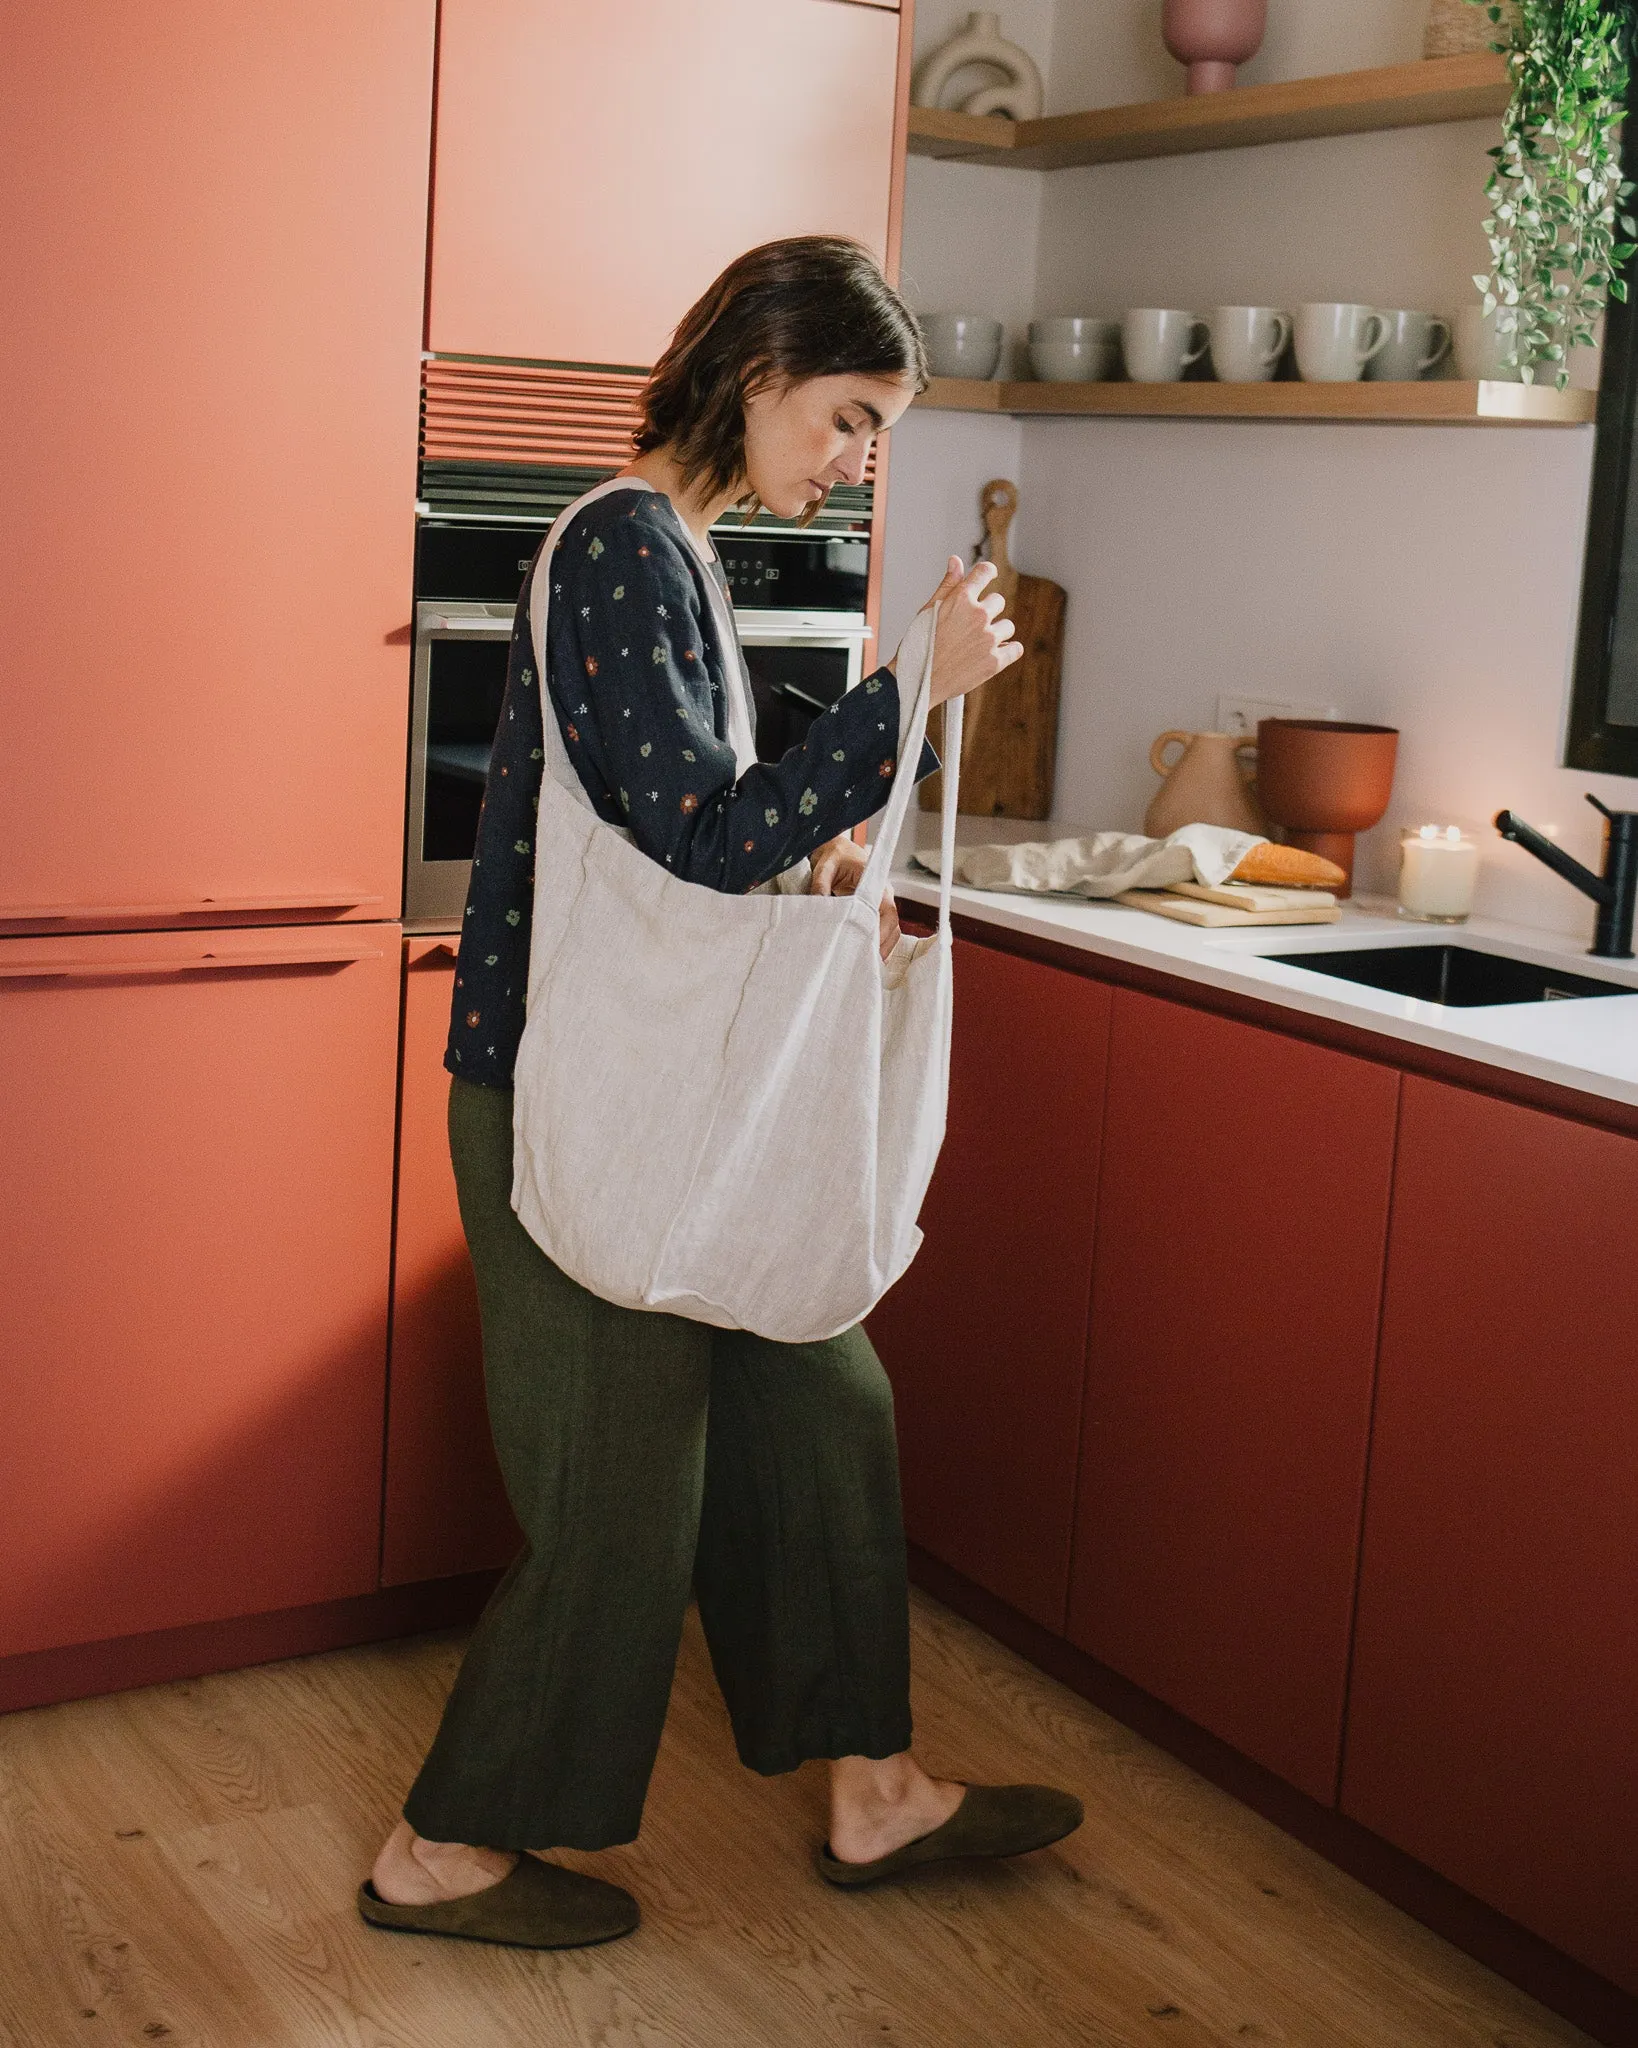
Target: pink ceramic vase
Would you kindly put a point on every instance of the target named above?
(1212, 37)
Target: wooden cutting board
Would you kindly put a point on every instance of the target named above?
(1189, 910)
(1010, 741)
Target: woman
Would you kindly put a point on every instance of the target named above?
(642, 1451)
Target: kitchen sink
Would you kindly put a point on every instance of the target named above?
(1462, 977)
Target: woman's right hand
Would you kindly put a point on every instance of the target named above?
(972, 641)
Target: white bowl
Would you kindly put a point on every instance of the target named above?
(1075, 327)
(1074, 362)
(961, 344)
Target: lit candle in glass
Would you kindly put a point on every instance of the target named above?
(1438, 870)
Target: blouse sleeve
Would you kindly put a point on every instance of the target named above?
(642, 713)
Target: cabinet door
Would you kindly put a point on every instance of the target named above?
(1242, 1222)
(215, 227)
(445, 1507)
(1494, 1705)
(598, 164)
(196, 1158)
(985, 1336)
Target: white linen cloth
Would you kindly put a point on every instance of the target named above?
(728, 1107)
(1102, 864)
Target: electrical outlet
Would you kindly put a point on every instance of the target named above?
(1239, 715)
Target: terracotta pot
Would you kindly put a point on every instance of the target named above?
(1323, 780)
(1205, 784)
(1212, 37)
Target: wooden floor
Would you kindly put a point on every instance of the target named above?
(178, 1865)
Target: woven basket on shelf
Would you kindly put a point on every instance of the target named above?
(1456, 28)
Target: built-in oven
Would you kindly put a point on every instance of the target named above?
(799, 604)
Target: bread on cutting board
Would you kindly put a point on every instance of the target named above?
(1288, 867)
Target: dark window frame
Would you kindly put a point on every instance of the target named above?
(1591, 741)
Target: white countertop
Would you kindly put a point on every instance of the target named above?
(1591, 1045)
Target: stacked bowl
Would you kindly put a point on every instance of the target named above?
(1074, 350)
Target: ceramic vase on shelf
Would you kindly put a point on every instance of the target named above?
(1017, 92)
(1213, 37)
(1205, 784)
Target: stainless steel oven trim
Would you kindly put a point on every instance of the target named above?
(775, 629)
(435, 890)
(770, 624)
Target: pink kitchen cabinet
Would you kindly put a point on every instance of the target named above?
(985, 1336)
(445, 1509)
(215, 249)
(1242, 1222)
(597, 165)
(1495, 1685)
(196, 1152)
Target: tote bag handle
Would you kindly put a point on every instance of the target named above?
(916, 652)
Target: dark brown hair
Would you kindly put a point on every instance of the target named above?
(810, 306)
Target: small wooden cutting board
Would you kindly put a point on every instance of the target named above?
(1189, 910)
(1010, 742)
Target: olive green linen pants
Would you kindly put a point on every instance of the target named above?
(642, 1452)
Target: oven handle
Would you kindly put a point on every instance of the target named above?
(780, 636)
(487, 628)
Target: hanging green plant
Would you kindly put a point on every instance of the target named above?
(1558, 232)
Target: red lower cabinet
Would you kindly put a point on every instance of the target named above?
(196, 1136)
(446, 1511)
(1242, 1218)
(985, 1336)
(1493, 1719)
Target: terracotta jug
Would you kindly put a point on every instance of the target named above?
(1205, 784)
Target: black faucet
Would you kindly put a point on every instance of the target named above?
(1613, 891)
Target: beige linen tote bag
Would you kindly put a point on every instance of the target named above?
(728, 1107)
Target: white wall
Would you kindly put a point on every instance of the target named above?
(1391, 571)
(1106, 52)
(971, 233)
(1425, 577)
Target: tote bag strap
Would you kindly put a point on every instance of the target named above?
(742, 708)
(915, 657)
(562, 770)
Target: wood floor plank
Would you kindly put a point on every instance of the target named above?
(181, 1862)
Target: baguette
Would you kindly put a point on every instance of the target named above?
(1288, 867)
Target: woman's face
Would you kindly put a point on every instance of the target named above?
(800, 438)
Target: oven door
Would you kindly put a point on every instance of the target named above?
(458, 684)
(797, 670)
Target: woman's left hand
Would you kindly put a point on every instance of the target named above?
(837, 866)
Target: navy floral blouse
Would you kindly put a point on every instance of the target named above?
(639, 687)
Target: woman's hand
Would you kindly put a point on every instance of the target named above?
(837, 867)
(972, 641)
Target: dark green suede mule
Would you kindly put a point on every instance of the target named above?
(992, 1820)
(536, 1905)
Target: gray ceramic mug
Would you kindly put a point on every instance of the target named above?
(1415, 344)
(1336, 340)
(1159, 342)
(1247, 342)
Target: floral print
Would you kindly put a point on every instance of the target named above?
(704, 821)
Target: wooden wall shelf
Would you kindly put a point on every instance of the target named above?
(1438, 402)
(1343, 103)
